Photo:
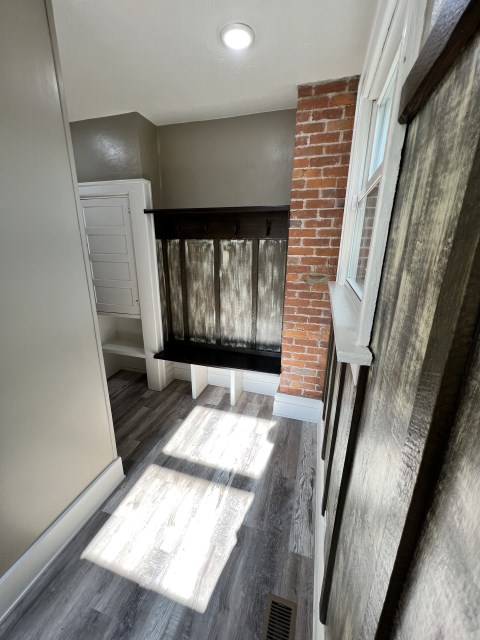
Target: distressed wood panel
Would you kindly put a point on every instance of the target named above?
(236, 293)
(352, 405)
(334, 385)
(271, 286)
(442, 595)
(402, 393)
(329, 384)
(338, 459)
(331, 435)
(200, 290)
(239, 268)
(164, 300)
(176, 297)
(326, 380)
(456, 23)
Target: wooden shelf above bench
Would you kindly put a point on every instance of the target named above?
(211, 355)
(222, 223)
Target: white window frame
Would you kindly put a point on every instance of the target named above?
(397, 31)
(370, 185)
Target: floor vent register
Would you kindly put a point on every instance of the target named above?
(280, 619)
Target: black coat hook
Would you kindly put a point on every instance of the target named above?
(269, 227)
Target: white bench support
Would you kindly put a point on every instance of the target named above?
(236, 385)
(199, 379)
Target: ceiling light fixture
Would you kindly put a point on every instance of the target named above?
(237, 36)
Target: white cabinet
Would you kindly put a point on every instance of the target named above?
(123, 263)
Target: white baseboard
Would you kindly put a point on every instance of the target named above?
(181, 371)
(169, 372)
(264, 383)
(28, 568)
(318, 628)
(219, 377)
(297, 407)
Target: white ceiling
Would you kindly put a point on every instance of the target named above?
(166, 61)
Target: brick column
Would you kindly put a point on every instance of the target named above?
(325, 114)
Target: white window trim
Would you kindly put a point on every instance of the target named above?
(397, 30)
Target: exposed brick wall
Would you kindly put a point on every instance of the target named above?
(325, 114)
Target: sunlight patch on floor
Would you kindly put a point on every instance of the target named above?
(173, 533)
(243, 445)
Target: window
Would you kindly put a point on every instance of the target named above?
(365, 203)
(375, 163)
(364, 219)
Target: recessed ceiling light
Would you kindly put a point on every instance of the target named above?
(237, 36)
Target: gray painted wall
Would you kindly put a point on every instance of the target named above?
(229, 162)
(116, 148)
(147, 140)
(55, 434)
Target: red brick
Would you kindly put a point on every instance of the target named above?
(305, 90)
(304, 193)
(327, 114)
(298, 184)
(305, 214)
(308, 151)
(342, 99)
(332, 213)
(305, 126)
(296, 204)
(312, 103)
(297, 173)
(331, 86)
(353, 83)
(340, 125)
(339, 147)
(349, 110)
(301, 233)
(303, 116)
(319, 204)
(311, 173)
(325, 161)
(299, 163)
(341, 172)
(315, 175)
(302, 140)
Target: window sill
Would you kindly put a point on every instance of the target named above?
(345, 317)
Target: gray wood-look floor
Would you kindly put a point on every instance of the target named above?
(215, 513)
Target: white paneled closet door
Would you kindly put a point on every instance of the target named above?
(112, 258)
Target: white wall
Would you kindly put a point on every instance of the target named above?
(55, 423)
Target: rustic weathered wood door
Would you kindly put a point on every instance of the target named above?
(406, 562)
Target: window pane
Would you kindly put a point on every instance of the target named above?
(362, 239)
(382, 120)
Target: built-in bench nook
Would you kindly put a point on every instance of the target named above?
(222, 280)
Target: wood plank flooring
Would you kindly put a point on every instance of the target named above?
(215, 513)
